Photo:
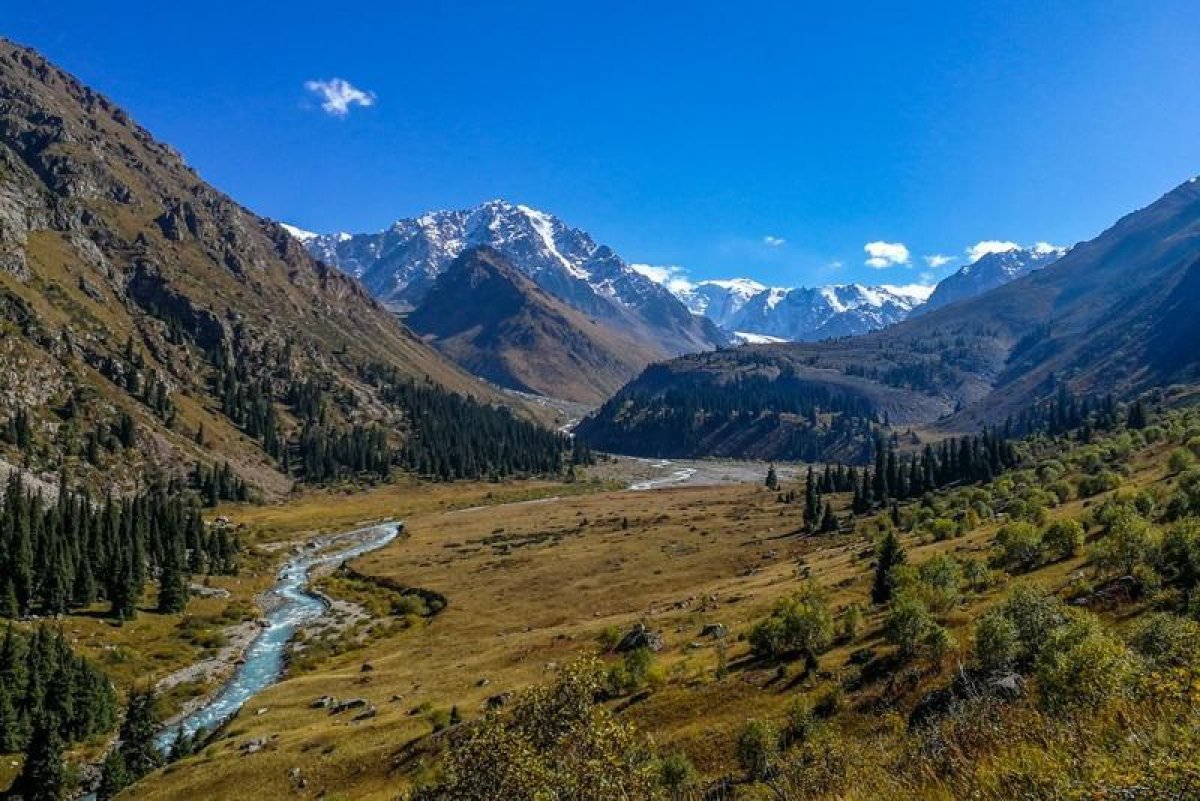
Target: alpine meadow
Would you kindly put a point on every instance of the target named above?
(685, 403)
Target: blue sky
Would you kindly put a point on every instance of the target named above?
(772, 140)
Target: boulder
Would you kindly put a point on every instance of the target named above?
(640, 637)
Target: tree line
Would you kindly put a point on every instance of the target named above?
(72, 552)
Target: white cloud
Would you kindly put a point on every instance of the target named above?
(886, 254)
(774, 241)
(671, 276)
(337, 95)
(1046, 247)
(980, 249)
(938, 260)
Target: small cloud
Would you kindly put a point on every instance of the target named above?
(938, 260)
(671, 276)
(337, 95)
(980, 249)
(1043, 248)
(774, 241)
(882, 255)
(834, 265)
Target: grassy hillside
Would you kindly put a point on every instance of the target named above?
(1079, 683)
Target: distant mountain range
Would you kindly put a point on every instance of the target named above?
(400, 265)
(1117, 314)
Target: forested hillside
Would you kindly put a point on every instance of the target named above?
(149, 323)
(1111, 316)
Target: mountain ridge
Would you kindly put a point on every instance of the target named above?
(499, 324)
(1104, 319)
(399, 265)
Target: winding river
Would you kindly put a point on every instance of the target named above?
(294, 605)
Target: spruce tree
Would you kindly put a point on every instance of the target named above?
(891, 555)
(43, 777)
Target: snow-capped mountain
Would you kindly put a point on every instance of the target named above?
(990, 271)
(719, 301)
(399, 265)
(804, 314)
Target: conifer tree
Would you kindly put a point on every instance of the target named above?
(891, 555)
(43, 777)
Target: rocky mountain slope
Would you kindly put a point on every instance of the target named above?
(147, 320)
(990, 271)
(400, 265)
(1116, 314)
(498, 324)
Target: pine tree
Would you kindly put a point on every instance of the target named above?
(140, 754)
(891, 555)
(829, 523)
(772, 479)
(43, 777)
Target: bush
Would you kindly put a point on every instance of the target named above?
(801, 722)
(851, 622)
(1036, 617)
(758, 749)
(677, 773)
(1167, 640)
(1126, 544)
(1063, 539)
(910, 627)
(941, 580)
(1081, 666)
(1103, 481)
(997, 642)
(1180, 460)
(801, 624)
(1020, 546)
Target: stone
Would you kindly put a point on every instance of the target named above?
(349, 704)
(640, 637)
(715, 631)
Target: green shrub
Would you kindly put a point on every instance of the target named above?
(1180, 460)
(1096, 483)
(997, 642)
(677, 773)
(1020, 546)
(758, 749)
(1063, 539)
(910, 627)
(1081, 666)
(800, 624)
(1167, 640)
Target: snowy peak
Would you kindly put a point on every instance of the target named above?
(718, 300)
(991, 271)
(400, 264)
(804, 314)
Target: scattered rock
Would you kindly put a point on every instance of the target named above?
(324, 702)
(262, 710)
(254, 746)
(640, 637)
(497, 701)
(483, 683)
(366, 668)
(349, 704)
(715, 631)
(366, 714)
